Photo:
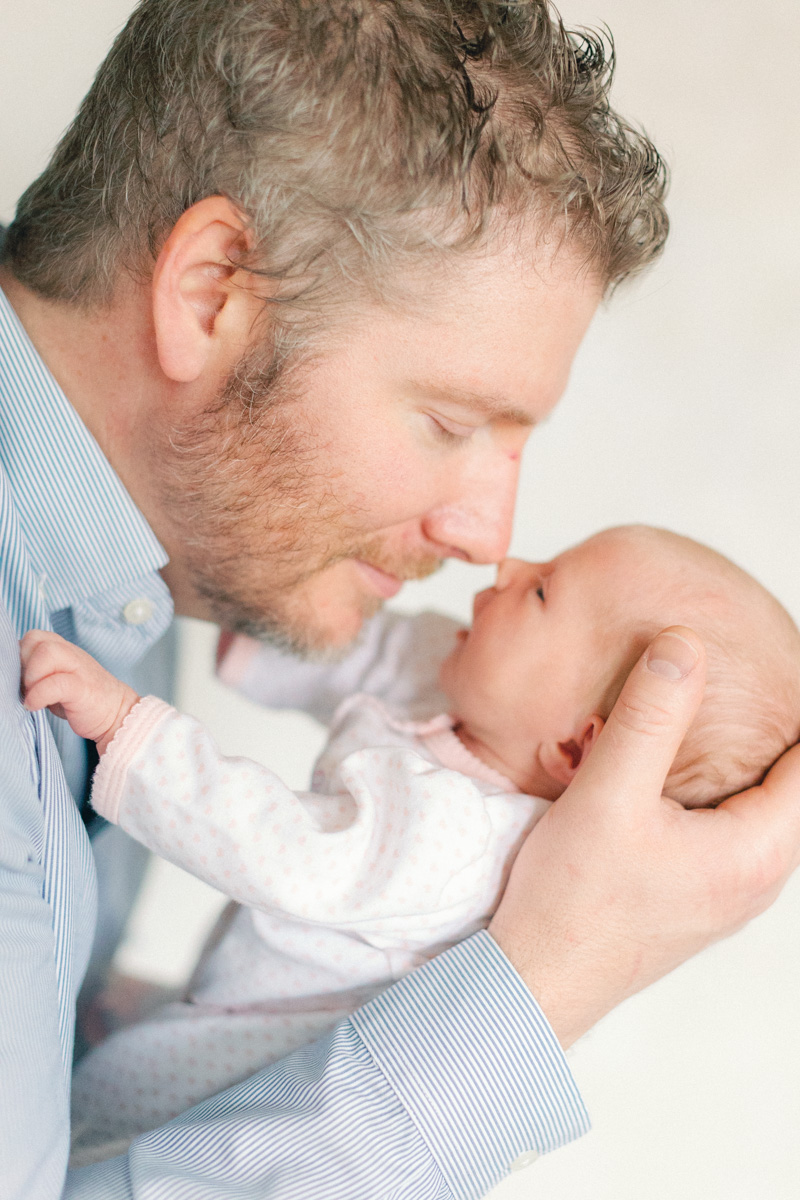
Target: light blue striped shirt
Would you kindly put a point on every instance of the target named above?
(432, 1090)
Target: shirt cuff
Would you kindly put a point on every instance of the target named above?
(474, 1061)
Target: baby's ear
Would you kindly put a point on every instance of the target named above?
(562, 759)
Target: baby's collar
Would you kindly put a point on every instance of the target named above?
(440, 738)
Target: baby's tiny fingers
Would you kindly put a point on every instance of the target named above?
(41, 651)
(44, 659)
(33, 639)
(48, 692)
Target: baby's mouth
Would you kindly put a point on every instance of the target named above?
(462, 635)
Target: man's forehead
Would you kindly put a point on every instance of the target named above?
(506, 350)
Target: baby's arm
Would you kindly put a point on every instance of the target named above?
(400, 837)
(73, 685)
(396, 659)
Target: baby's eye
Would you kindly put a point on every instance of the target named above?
(540, 593)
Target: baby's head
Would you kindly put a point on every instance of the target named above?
(551, 644)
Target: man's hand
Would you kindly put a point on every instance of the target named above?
(617, 884)
(68, 681)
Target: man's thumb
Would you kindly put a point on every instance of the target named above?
(658, 703)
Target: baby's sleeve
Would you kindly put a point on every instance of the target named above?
(400, 837)
(397, 659)
(229, 821)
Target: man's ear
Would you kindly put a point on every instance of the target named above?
(562, 759)
(198, 316)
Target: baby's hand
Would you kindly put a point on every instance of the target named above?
(68, 681)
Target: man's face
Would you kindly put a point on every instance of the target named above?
(398, 445)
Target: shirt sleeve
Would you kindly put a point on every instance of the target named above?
(396, 659)
(430, 1092)
(34, 1120)
(403, 850)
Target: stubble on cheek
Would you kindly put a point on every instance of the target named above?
(262, 515)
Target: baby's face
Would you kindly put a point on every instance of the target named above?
(551, 644)
(532, 659)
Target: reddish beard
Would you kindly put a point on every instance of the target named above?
(258, 516)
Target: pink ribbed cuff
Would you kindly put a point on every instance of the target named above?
(109, 778)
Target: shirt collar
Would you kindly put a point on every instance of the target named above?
(83, 531)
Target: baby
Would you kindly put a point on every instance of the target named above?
(448, 748)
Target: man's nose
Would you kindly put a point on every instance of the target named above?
(477, 523)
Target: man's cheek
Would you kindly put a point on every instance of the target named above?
(393, 481)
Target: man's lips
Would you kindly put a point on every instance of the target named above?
(381, 582)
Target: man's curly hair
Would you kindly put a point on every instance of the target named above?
(353, 135)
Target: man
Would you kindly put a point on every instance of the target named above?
(297, 284)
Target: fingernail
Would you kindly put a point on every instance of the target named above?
(671, 656)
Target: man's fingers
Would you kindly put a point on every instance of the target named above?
(771, 814)
(638, 744)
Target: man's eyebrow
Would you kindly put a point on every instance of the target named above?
(485, 402)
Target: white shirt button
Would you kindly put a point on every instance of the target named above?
(525, 1160)
(138, 611)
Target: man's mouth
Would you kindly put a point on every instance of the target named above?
(380, 582)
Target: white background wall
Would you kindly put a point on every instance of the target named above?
(682, 411)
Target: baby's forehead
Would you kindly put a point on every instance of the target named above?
(619, 551)
(647, 551)
(646, 573)
(653, 574)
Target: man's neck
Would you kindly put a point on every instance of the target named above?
(90, 353)
(105, 362)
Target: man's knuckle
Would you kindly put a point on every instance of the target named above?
(765, 872)
(755, 880)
